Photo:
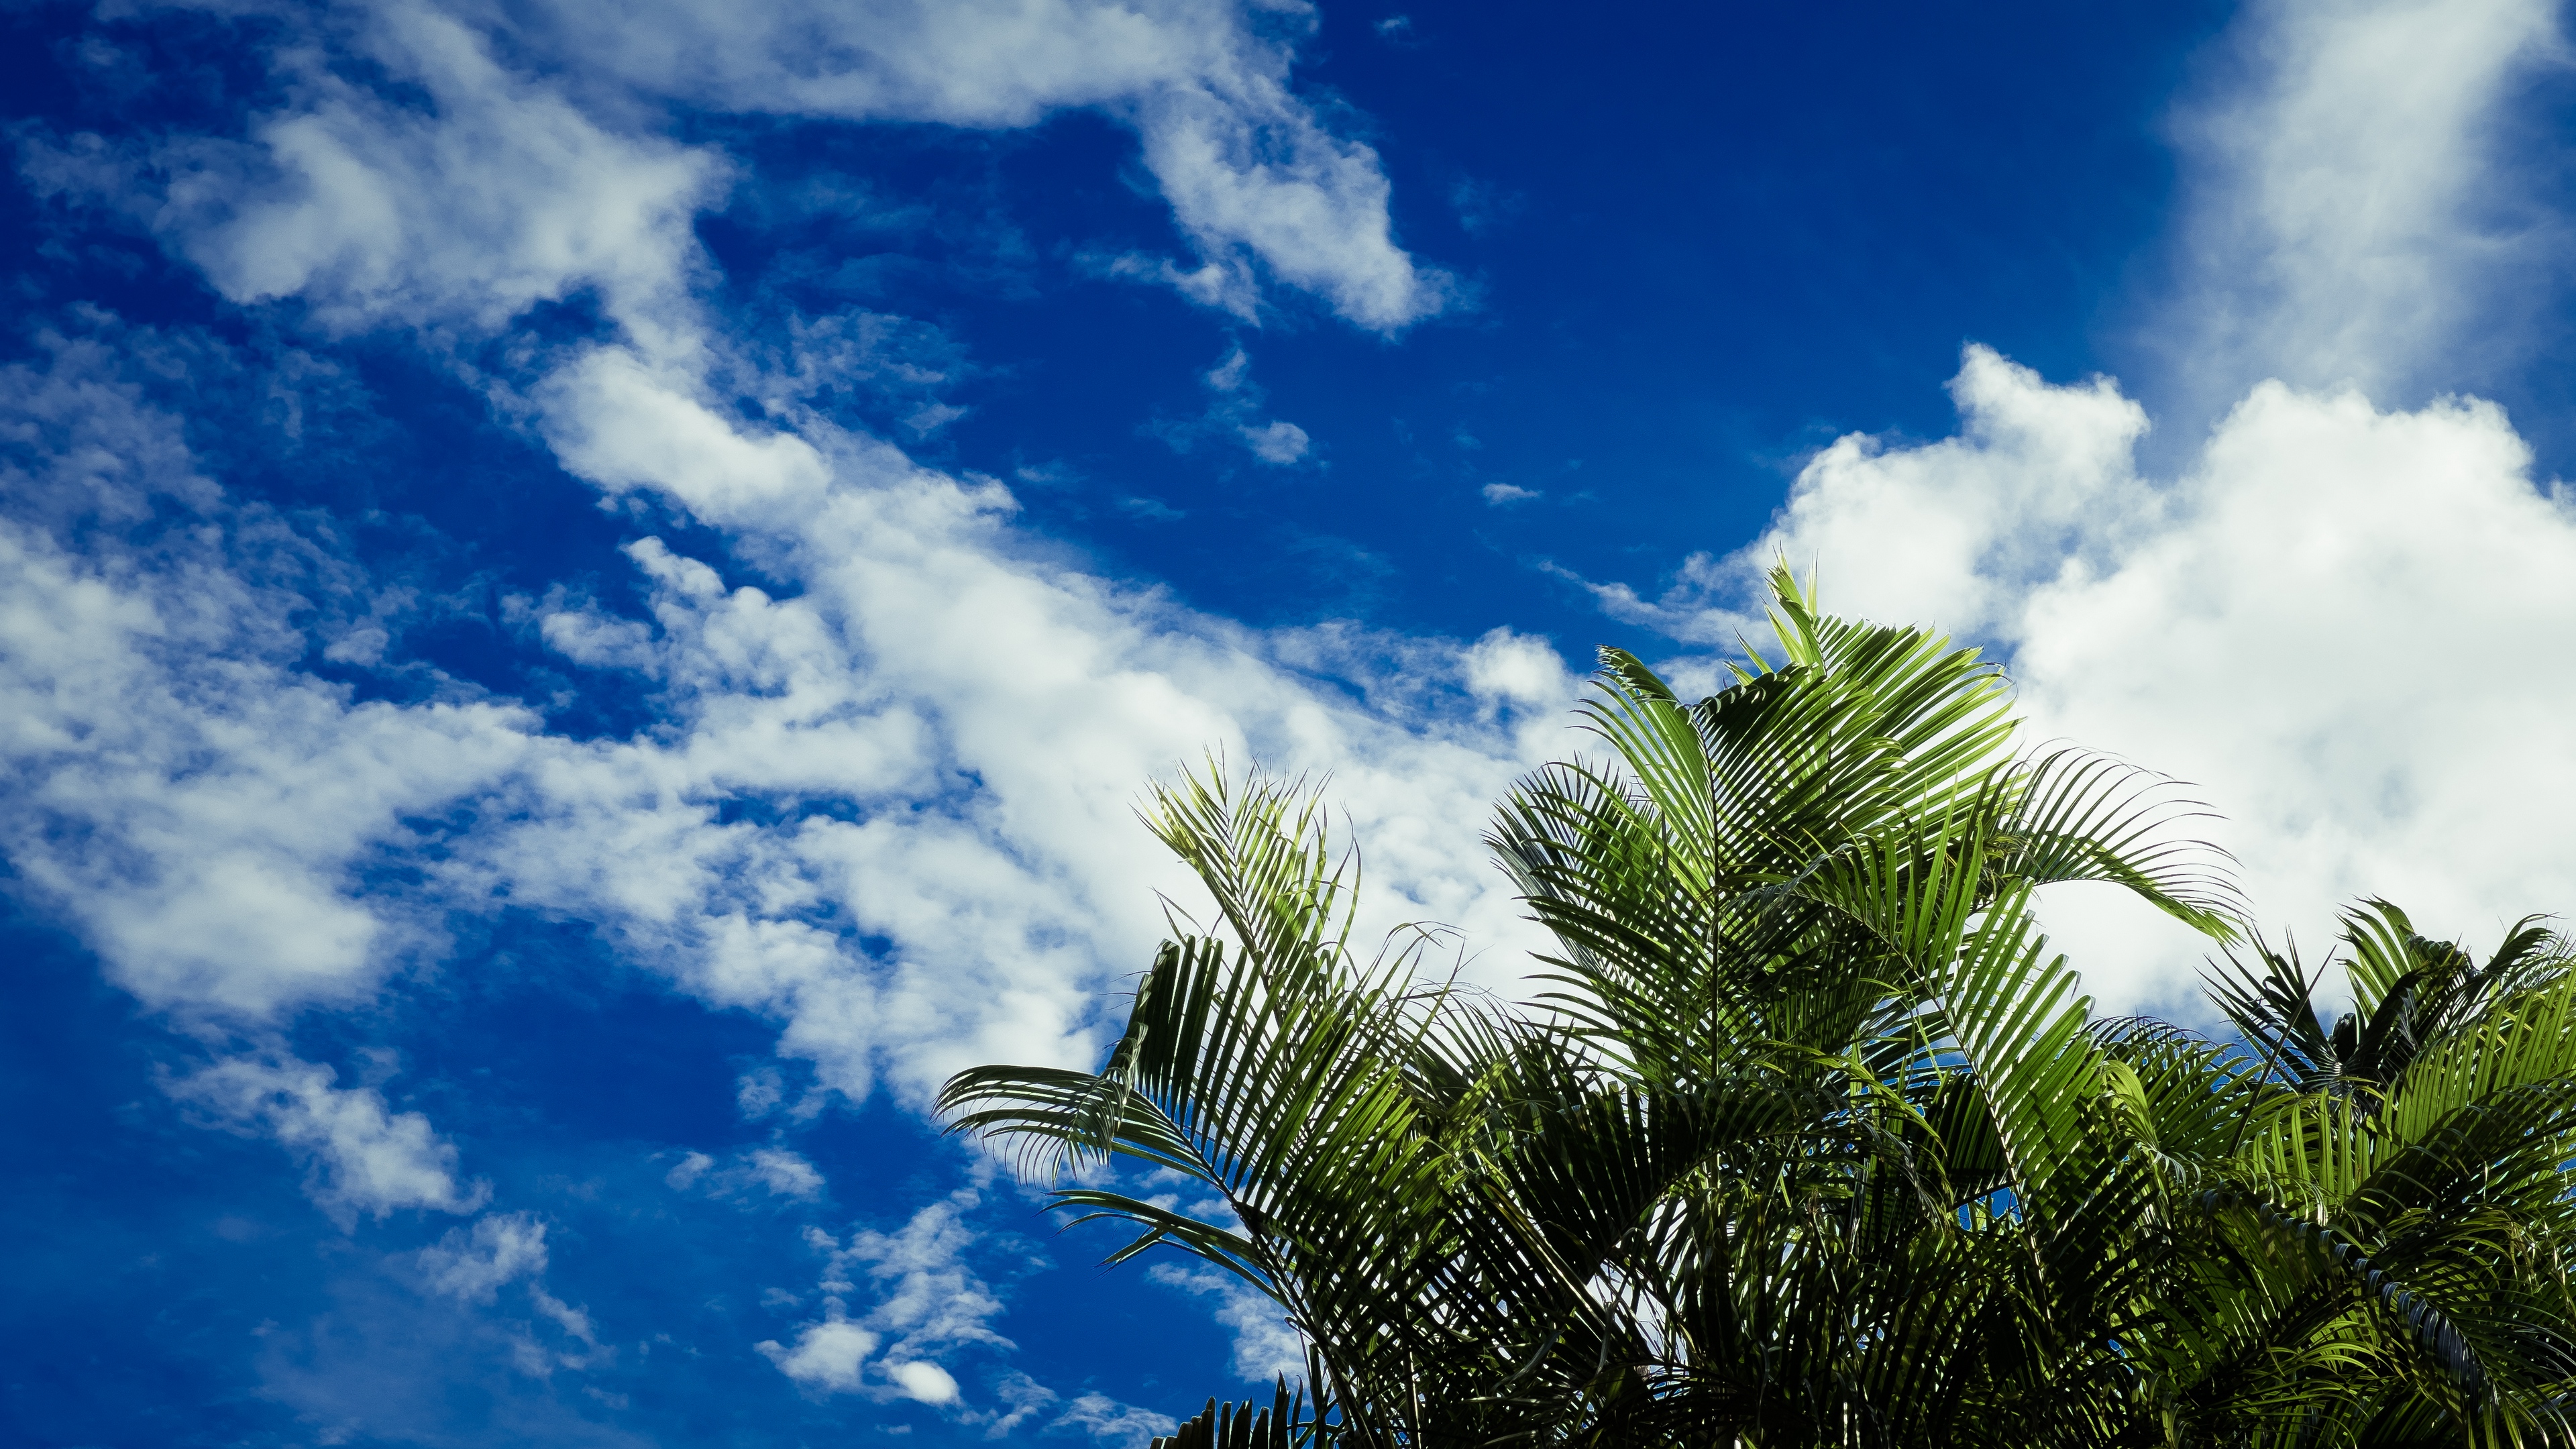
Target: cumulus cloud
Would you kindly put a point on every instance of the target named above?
(827, 1356)
(2334, 624)
(2038, 479)
(2334, 617)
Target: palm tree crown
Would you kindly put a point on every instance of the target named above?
(1807, 1138)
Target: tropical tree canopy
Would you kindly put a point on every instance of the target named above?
(1806, 1138)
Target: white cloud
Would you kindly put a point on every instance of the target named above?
(2335, 625)
(989, 715)
(1108, 1421)
(2344, 635)
(2349, 218)
(1500, 494)
(926, 1303)
(2338, 620)
(980, 716)
(360, 1157)
(503, 1248)
(2039, 478)
(928, 1299)
(1507, 670)
(1276, 443)
(1234, 414)
(785, 1173)
(1103, 1419)
(1246, 167)
(827, 1356)
(773, 1170)
(175, 786)
(500, 195)
(1253, 178)
(1265, 1346)
(923, 1381)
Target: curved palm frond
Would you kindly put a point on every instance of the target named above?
(1808, 1138)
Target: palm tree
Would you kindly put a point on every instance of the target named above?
(2370, 1222)
(1809, 1139)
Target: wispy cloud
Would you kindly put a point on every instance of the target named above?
(926, 1304)
(2352, 212)
(360, 1157)
(976, 714)
(1234, 415)
(1255, 180)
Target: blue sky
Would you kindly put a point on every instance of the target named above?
(586, 592)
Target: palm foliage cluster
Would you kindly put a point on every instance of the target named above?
(1808, 1139)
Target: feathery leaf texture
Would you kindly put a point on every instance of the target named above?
(1807, 1138)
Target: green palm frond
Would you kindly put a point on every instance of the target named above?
(1807, 1137)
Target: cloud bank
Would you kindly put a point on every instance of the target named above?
(2337, 625)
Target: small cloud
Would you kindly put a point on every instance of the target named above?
(1395, 29)
(1224, 283)
(1466, 440)
(502, 1247)
(759, 1093)
(1153, 510)
(1235, 411)
(932, 417)
(925, 1382)
(1504, 668)
(359, 1156)
(1275, 442)
(775, 1169)
(1227, 376)
(827, 1356)
(1503, 494)
(785, 1174)
(1108, 1421)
